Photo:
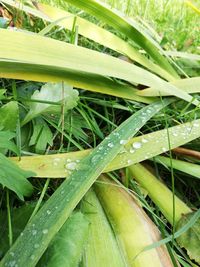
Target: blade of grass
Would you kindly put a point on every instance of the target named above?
(183, 166)
(128, 27)
(54, 166)
(91, 31)
(159, 193)
(49, 59)
(190, 85)
(53, 214)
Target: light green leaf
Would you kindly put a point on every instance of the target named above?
(91, 31)
(183, 166)
(44, 59)
(53, 92)
(9, 115)
(190, 239)
(53, 214)
(133, 228)
(136, 150)
(67, 247)
(189, 85)
(102, 248)
(127, 26)
(14, 178)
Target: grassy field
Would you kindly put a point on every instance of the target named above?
(95, 118)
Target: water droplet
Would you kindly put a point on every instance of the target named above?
(32, 257)
(62, 192)
(132, 150)
(136, 145)
(110, 145)
(12, 263)
(129, 161)
(78, 160)
(34, 232)
(71, 166)
(123, 142)
(45, 231)
(144, 140)
(48, 212)
(95, 158)
(36, 246)
(12, 254)
(164, 149)
(69, 160)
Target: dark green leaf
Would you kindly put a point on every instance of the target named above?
(67, 247)
(41, 136)
(9, 114)
(6, 143)
(14, 178)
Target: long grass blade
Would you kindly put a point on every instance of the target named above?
(92, 32)
(44, 59)
(128, 27)
(136, 150)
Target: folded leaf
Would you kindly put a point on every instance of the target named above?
(131, 225)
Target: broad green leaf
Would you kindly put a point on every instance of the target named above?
(67, 247)
(44, 59)
(127, 26)
(6, 143)
(189, 85)
(53, 214)
(101, 36)
(183, 166)
(91, 31)
(53, 92)
(41, 137)
(9, 115)
(19, 218)
(102, 248)
(136, 150)
(190, 239)
(133, 228)
(14, 178)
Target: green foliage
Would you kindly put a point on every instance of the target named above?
(190, 239)
(14, 178)
(20, 217)
(58, 94)
(67, 247)
(41, 136)
(9, 115)
(6, 143)
(102, 247)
